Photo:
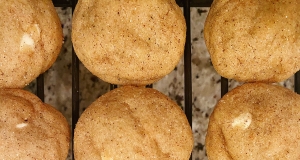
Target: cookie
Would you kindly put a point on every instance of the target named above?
(254, 41)
(31, 38)
(31, 129)
(129, 42)
(255, 121)
(133, 123)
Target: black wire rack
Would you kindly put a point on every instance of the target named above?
(186, 4)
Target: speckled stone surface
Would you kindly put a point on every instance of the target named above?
(205, 81)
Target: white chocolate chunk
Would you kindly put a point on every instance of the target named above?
(243, 121)
(26, 40)
(21, 125)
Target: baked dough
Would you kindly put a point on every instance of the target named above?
(129, 42)
(255, 40)
(255, 121)
(30, 40)
(133, 123)
(30, 129)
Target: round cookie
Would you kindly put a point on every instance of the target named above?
(255, 121)
(254, 41)
(129, 42)
(30, 129)
(133, 123)
(31, 39)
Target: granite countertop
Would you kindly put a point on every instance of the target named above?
(205, 81)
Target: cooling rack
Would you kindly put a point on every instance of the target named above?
(186, 4)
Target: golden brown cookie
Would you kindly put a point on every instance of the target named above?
(133, 123)
(129, 42)
(254, 40)
(255, 121)
(30, 40)
(30, 129)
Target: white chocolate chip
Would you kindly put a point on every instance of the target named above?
(21, 125)
(243, 121)
(26, 40)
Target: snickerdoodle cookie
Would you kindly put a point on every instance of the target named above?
(31, 129)
(30, 40)
(133, 123)
(255, 121)
(255, 40)
(129, 42)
